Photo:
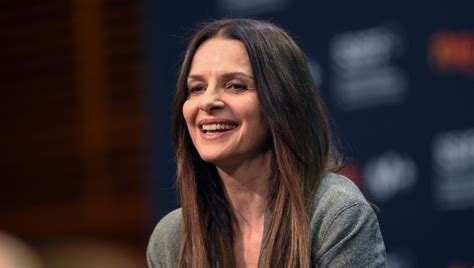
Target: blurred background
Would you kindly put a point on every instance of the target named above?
(87, 165)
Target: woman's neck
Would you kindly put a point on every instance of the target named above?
(247, 188)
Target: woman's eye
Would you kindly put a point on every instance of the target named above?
(236, 86)
(196, 89)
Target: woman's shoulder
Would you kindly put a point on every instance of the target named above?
(336, 194)
(337, 191)
(163, 247)
(344, 227)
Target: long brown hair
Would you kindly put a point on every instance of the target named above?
(300, 141)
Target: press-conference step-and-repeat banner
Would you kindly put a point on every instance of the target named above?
(398, 78)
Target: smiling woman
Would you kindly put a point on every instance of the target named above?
(222, 111)
(255, 157)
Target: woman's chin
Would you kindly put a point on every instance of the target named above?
(212, 158)
(219, 160)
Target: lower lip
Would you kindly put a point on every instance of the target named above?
(216, 135)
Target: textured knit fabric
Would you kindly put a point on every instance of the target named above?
(344, 231)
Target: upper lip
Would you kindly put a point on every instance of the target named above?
(216, 121)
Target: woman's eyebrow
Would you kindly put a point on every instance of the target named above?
(224, 76)
(195, 77)
(236, 74)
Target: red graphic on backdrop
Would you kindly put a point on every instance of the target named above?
(353, 171)
(451, 51)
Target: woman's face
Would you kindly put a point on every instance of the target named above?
(222, 111)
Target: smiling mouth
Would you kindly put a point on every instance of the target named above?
(215, 128)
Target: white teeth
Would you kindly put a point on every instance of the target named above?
(212, 127)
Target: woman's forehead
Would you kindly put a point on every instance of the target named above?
(220, 55)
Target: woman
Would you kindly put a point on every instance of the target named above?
(254, 155)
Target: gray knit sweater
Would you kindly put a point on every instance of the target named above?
(344, 231)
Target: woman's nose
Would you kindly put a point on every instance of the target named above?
(211, 100)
